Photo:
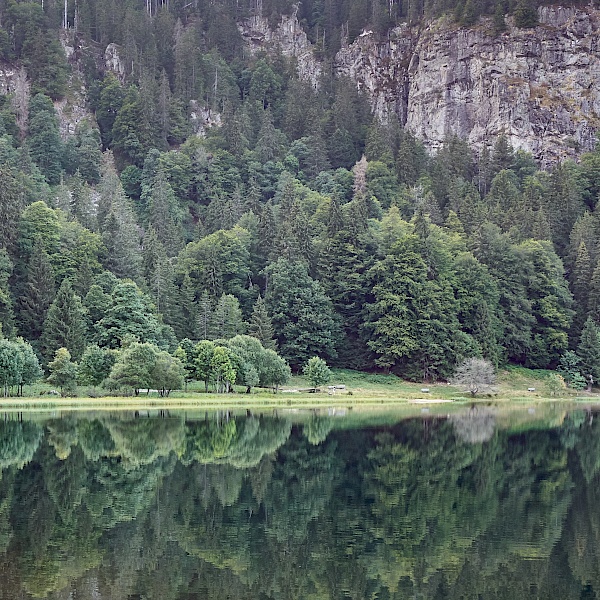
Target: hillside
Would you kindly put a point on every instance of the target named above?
(181, 170)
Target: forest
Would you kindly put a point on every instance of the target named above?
(301, 220)
(262, 507)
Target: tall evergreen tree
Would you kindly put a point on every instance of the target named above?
(37, 294)
(226, 319)
(588, 350)
(64, 326)
(260, 325)
(44, 139)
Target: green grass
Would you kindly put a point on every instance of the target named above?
(368, 390)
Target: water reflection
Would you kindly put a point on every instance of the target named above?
(260, 507)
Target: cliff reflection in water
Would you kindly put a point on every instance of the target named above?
(264, 508)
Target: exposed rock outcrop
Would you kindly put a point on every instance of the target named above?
(540, 87)
(288, 38)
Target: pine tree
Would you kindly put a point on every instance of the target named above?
(37, 294)
(186, 315)
(226, 320)
(588, 350)
(80, 205)
(7, 318)
(11, 205)
(64, 326)
(525, 14)
(44, 139)
(204, 315)
(121, 240)
(260, 325)
(164, 214)
(580, 286)
(594, 296)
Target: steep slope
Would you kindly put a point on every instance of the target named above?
(539, 86)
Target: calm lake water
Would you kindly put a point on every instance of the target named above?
(476, 505)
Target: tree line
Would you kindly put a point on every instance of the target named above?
(301, 220)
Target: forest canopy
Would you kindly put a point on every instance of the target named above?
(301, 220)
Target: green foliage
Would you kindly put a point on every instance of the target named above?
(64, 326)
(316, 371)
(302, 314)
(95, 365)
(44, 140)
(588, 350)
(570, 369)
(63, 372)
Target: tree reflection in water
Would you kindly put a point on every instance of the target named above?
(264, 508)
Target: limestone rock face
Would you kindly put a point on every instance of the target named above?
(540, 87)
(288, 38)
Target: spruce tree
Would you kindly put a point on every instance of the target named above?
(64, 326)
(44, 139)
(260, 325)
(580, 279)
(7, 318)
(588, 350)
(37, 295)
(594, 296)
(525, 14)
(204, 316)
(226, 320)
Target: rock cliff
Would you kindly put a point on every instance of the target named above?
(540, 87)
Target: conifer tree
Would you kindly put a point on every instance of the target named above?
(594, 296)
(204, 316)
(164, 214)
(260, 325)
(7, 317)
(64, 326)
(44, 140)
(588, 350)
(226, 320)
(525, 14)
(121, 240)
(80, 204)
(11, 204)
(37, 295)
(581, 276)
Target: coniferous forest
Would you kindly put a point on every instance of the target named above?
(301, 219)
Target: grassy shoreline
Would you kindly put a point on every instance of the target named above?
(362, 391)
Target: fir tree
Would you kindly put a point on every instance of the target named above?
(37, 294)
(588, 350)
(204, 316)
(64, 326)
(260, 325)
(594, 296)
(226, 320)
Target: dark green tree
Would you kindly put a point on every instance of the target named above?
(588, 350)
(302, 315)
(37, 295)
(43, 139)
(64, 326)
(63, 372)
(260, 325)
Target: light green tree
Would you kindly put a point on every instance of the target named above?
(316, 371)
(63, 372)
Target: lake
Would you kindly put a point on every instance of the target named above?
(479, 504)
